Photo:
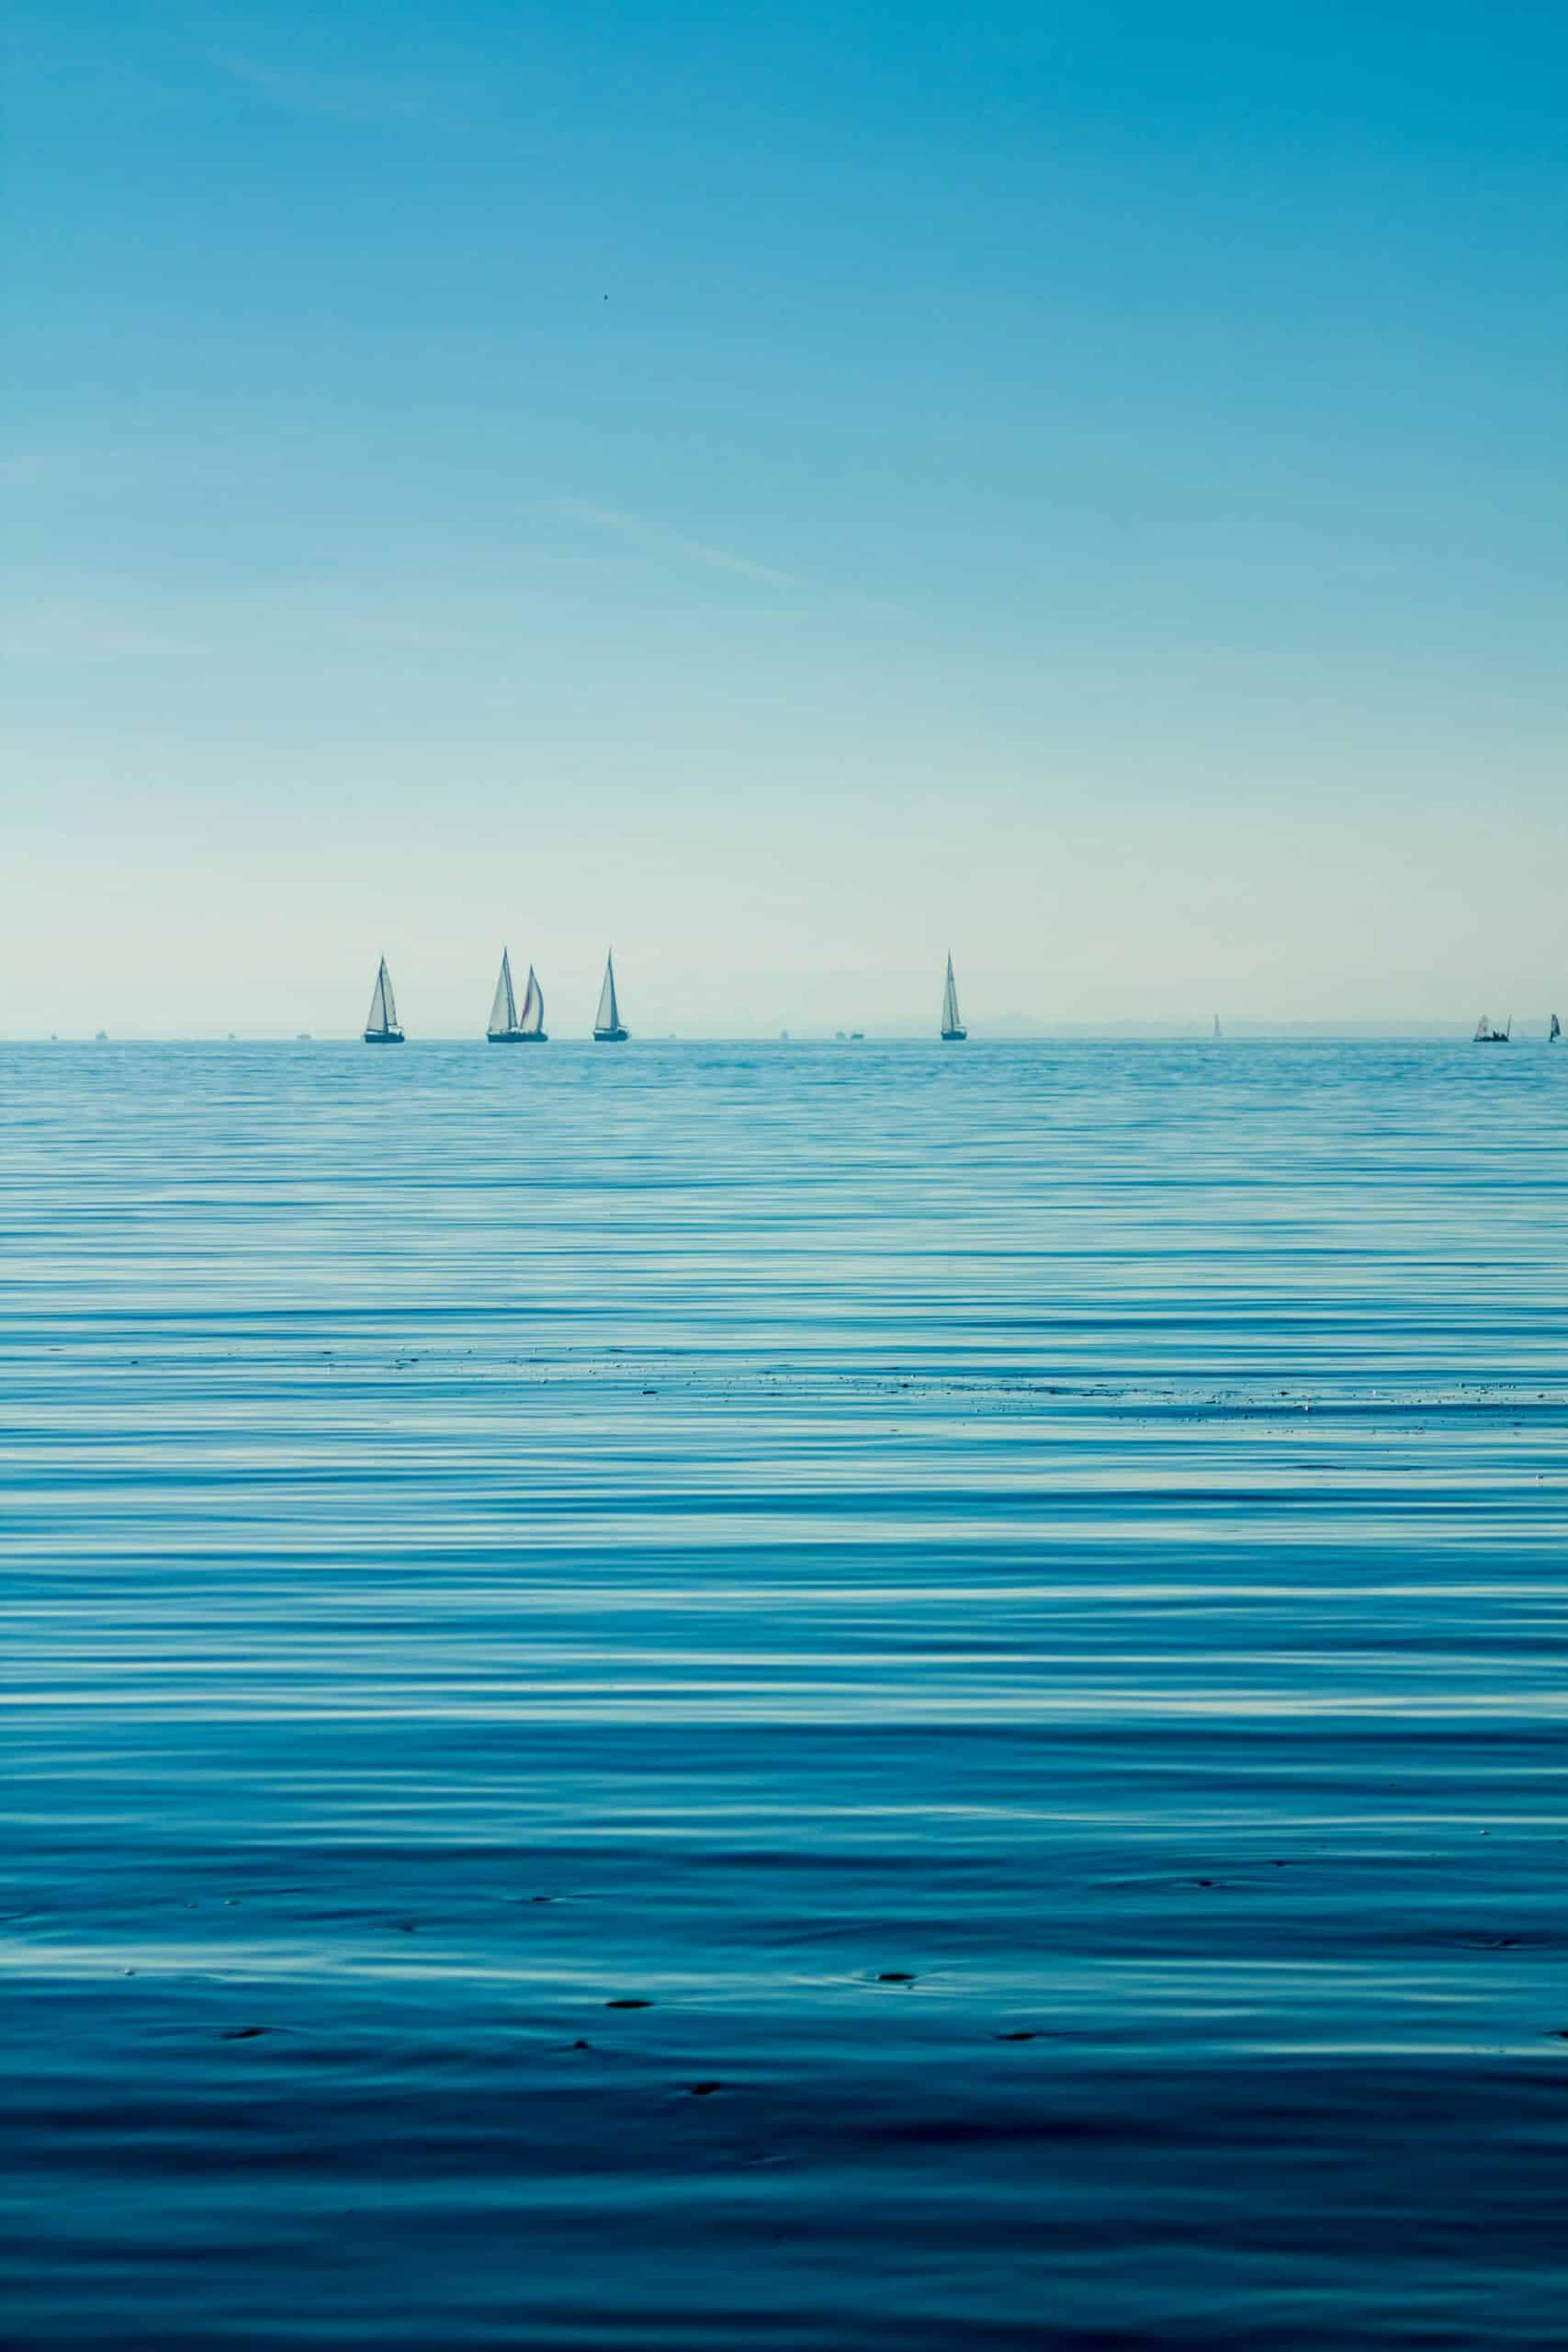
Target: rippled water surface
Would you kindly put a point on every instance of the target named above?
(865, 1697)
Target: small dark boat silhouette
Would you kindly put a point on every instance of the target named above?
(1486, 1036)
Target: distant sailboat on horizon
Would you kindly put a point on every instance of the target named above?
(1555, 1031)
(952, 1030)
(508, 1026)
(607, 1026)
(1486, 1036)
(381, 1021)
(1219, 1032)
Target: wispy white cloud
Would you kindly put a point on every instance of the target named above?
(328, 96)
(71, 632)
(658, 539)
(23, 470)
(411, 632)
(106, 469)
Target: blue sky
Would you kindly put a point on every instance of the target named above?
(788, 490)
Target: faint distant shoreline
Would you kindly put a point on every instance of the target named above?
(1012, 1031)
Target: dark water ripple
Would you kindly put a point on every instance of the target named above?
(735, 1530)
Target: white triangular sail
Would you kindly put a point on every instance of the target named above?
(503, 1011)
(608, 1016)
(383, 1014)
(531, 1021)
(950, 1019)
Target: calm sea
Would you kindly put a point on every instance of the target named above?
(721, 1696)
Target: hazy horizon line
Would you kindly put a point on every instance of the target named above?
(1119, 1033)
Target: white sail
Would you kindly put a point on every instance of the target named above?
(950, 1019)
(608, 1016)
(503, 1011)
(383, 1014)
(532, 1019)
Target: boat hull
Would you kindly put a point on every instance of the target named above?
(517, 1036)
(954, 1036)
(383, 1036)
(611, 1036)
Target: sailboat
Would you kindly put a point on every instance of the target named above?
(952, 1030)
(1555, 1031)
(508, 1026)
(381, 1021)
(1219, 1032)
(607, 1029)
(1486, 1036)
